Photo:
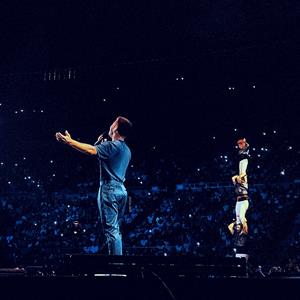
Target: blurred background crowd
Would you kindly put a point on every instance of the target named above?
(173, 209)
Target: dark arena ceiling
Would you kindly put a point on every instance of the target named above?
(182, 70)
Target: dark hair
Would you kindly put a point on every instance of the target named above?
(124, 126)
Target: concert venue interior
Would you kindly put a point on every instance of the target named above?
(193, 77)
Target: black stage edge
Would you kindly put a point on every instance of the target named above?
(110, 277)
(135, 266)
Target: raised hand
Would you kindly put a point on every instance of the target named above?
(234, 179)
(65, 139)
(100, 138)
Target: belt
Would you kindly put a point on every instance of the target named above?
(242, 199)
(111, 182)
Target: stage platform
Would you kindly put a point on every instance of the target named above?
(102, 277)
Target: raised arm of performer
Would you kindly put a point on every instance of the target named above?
(82, 147)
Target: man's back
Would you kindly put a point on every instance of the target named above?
(114, 158)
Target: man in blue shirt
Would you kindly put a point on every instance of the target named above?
(114, 157)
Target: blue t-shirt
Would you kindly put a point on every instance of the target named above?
(114, 158)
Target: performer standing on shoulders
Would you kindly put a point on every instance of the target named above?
(114, 157)
(243, 157)
(241, 190)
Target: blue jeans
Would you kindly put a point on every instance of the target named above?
(112, 198)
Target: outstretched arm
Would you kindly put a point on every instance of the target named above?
(82, 147)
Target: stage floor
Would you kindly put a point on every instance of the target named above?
(137, 277)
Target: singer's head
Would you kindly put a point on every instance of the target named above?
(242, 144)
(120, 129)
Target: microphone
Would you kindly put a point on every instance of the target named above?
(104, 138)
